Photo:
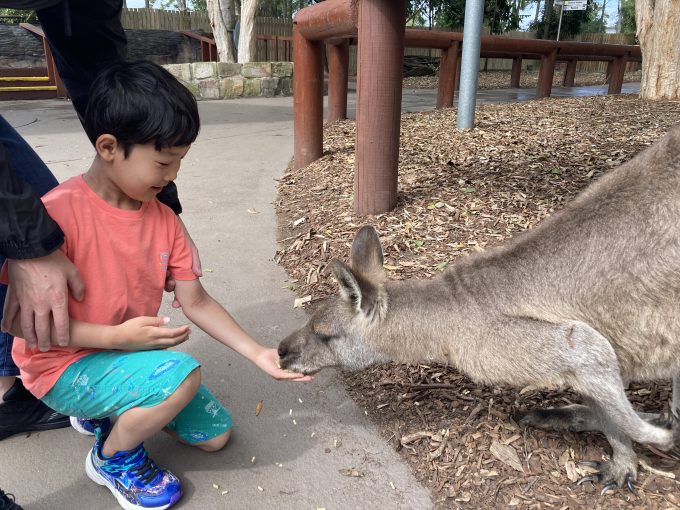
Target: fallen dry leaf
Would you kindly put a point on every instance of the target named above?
(507, 455)
(352, 472)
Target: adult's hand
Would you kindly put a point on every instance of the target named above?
(38, 292)
(195, 265)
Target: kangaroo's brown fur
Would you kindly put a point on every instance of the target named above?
(587, 300)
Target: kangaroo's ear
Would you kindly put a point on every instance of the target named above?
(367, 297)
(349, 286)
(366, 255)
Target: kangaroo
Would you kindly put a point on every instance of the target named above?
(588, 300)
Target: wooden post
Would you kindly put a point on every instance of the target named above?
(448, 65)
(515, 75)
(460, 62)
(52, 71)
(545, 74)
(617, 72)
(570, 73)
(608, 74)
(381, 30)
(338, 76)
(307, 99)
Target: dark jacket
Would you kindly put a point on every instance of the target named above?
(85, 36)
(26, 230)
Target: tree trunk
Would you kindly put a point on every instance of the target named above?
(247, 38)
(538, 10)
(228, 13)
(547, 18)
(225, 48)
(604, 6)
(658, 30)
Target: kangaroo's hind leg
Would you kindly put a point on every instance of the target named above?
(591, 368)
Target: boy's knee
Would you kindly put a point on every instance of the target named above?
(216, 443)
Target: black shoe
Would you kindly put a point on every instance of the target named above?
(7, 502)
(22, 412)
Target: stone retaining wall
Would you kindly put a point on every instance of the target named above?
(222, 80)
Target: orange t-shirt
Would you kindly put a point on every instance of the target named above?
(122, 256)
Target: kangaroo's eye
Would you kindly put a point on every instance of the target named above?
(324, 338)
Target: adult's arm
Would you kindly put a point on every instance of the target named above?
(41, 274)
(26, 230)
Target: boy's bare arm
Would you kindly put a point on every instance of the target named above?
(138, 334)
(212, 318)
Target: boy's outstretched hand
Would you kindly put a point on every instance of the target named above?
(268, 360)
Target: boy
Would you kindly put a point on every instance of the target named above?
(142, 122)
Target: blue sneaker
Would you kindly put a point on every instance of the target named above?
(133, 478)
(88, 426)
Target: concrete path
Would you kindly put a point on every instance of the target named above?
(292, 454)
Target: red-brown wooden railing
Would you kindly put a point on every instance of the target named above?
(52, 71)
(380, 28)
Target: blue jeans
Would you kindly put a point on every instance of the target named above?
(31, 169)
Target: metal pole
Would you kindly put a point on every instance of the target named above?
(472, 42)
(559, 25)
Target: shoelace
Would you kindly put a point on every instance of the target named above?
(7, 501)
(147, 470)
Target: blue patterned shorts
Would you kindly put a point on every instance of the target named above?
(109, 383)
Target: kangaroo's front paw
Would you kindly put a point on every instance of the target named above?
(611, 474)
(572, 418)
(667, 420)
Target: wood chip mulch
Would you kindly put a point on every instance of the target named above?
(528, 79)
(462, 191)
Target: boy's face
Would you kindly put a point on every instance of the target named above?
(145, 171)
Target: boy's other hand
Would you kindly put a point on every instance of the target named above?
(196, 266)
(38, 293)
(147, 333)
(268, 359)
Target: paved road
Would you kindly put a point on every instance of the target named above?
(291, 455)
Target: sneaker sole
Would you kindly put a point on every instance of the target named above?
(100, 480)
(79, 428)
(58, 424)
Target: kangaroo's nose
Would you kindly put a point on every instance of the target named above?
(283, 350)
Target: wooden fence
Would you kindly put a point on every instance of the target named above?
(155, 19)
(590, 67)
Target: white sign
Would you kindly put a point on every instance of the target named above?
(575, 5)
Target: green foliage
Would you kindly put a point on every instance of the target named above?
(573, 22)
(499, 15)
(16, 16)
(282, 8)
(627, 20)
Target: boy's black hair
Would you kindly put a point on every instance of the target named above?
(138, 103)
